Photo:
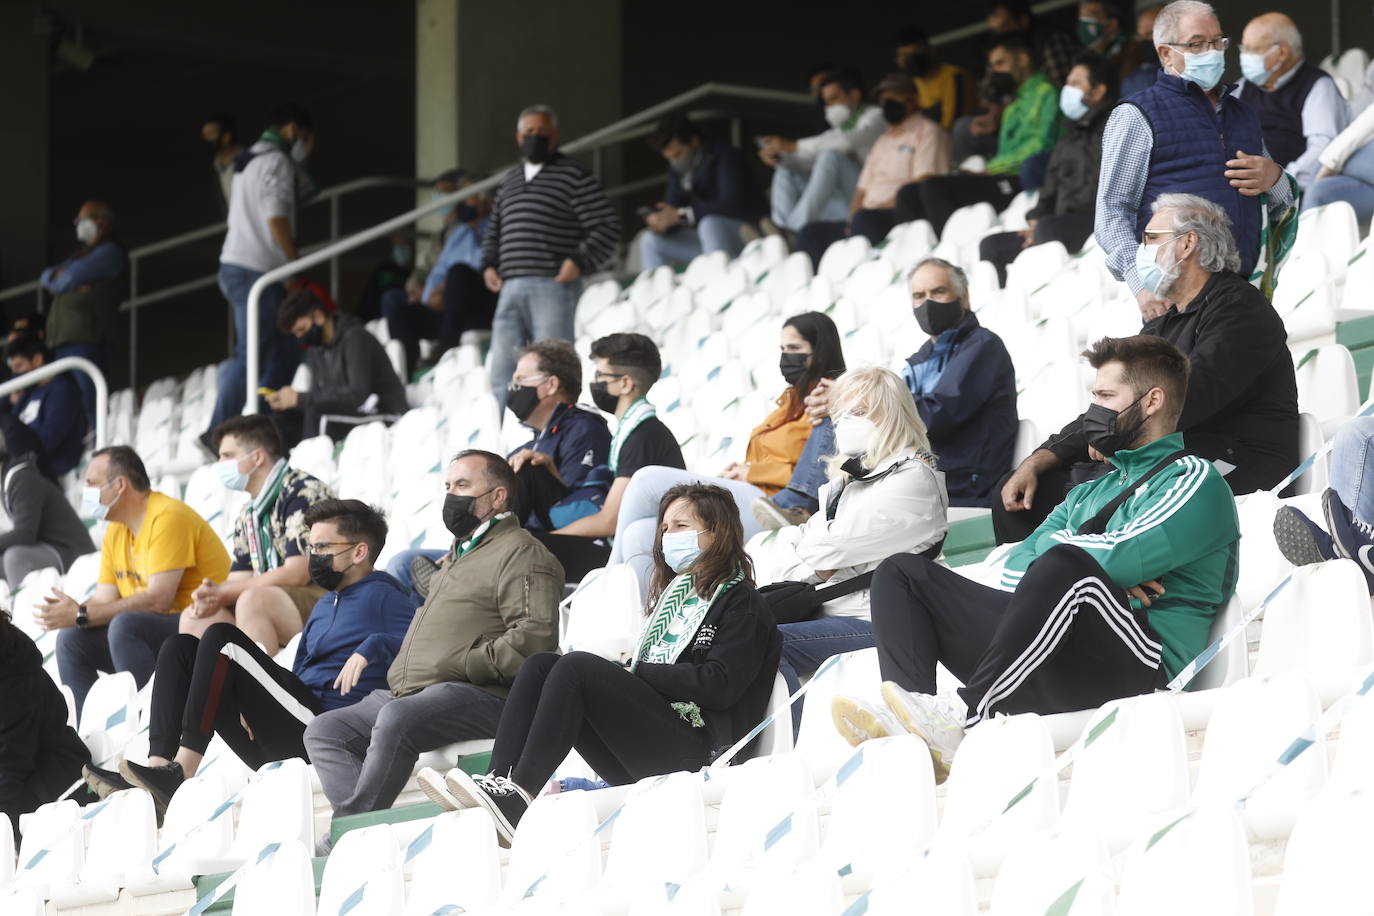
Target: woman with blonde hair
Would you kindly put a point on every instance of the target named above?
(884, 497)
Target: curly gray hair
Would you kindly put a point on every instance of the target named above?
(1211, 225)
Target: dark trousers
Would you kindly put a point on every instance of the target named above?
(578, 555)
(129, 643)
(1066, 639)
(536, 492)
(202, 689)
(1072, 229)
(936, 198)
(467, 305)
(874, 225)
(622, 727)
(1050, 490)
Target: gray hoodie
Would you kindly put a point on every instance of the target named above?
(343, 374)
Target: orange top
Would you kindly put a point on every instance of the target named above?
(776, 444)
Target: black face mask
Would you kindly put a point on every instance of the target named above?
(313, 337)
(323, 573)
(602, 398)
(1000, 86)
(521, 400)
(918, 64)
(459, 518)
(793, 366)
(1108, 431)
(535, 148)
(936, 317)
(465, 212)
(894, 111)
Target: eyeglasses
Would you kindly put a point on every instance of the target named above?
(322, 549)
(1202, 44)
(608, 376)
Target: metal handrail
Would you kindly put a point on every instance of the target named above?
(69, 364)
(594, 140)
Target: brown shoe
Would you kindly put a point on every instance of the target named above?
(771, 516)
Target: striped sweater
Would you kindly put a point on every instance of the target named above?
(561, 213)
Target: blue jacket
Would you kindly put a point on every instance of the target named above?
(369, 617)
(55, 415)
(722, 185)
(970, 414)
(578, 440)
(1192, 143)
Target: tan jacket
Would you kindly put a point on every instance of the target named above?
(487, 612)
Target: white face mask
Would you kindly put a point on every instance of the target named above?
(298, 150)
(853, 434)
(86, 230)
(836, 115)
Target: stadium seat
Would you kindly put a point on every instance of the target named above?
(1037, 266)
(1027, 439)
(603, 616)
(1327, 386)
(907, 244)
(768, 822)
(460, 866)
(1233, 663)
(703, 269)
(853, 674)
(1353, 770)
(842, 257)
(6, 850)
(21, 901)
(190, 835)
(806, 891)
(697, 897)
(783, 279)
(555, 856)
(868, 280)
(363, 874)
(1305, 297)
(282, 883)
(1326, 862)
(724, 289)
(213, 501)
(277, 807)
(1056, 872)
(659, 839)
(941, 880)
(109, 716)
(123, 840)
(1262, 565)
(761, 255)
(1310, 440)
(1332, 232)
(1319, 625)
(1198, 865)
(363, 464)
(53, 848)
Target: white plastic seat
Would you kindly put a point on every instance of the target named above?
(603, 617)
(555, 857)
(1310, 440)
(783, 279)
(122, 841)
(1027, 440)
(852, 674)
(190, 834)
(777, 737)
(842, 257)
(79, 581)
(1059, 872)
(1036, 266)
(1305, 297)
(1262, 564)
(867, 280)
(1198, 867)
(659, 837)
(365, 860)
(52, 851)
(21, 901)
(807, 891)
(907, 243)
(277, 807)
(6, 850)
(1234, 661)
(282, 884)
(363, 464)
(1327, 386)
(109, 717)
(1326, 862)
(697, 897)
(761, 255)
(703, 269)
(942, 881)
(768, 821)
(460, 867)
(723, 289)
(213, 501)
(1354, 766)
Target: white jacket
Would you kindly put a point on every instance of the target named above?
(903, 511)
(855, 142)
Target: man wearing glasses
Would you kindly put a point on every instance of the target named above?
(1186, 134)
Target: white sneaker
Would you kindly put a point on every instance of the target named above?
(936, 720)
(859, 721)
(432, 783)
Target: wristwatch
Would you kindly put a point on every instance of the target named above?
(82, 618)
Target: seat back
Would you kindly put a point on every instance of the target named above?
(1326, 861)
(123, 840)
(660, 834)
(1199, 863)
(1319, 624)
(555, 855)
(460, 867)
(110, 715)
(1039, 874)
(767, 821)
(277, 808)
(605, 615)
(365, 860)
(280, 882)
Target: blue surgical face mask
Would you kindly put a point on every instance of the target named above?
(680, 549)
(230, 475)
(1071, 103)
(1204, 68)
(1252, 67)
(91, 506)
(1152, 276)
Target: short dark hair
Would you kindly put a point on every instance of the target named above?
(631, 354)
(1014, 43)
(673, 127)
(559, 358)
(28, 345)
(846, 77)
(818, 68)
(252, 430)
(124, 462)
(1101, 72)
(497, 470)
(33, 322)
(718, 563)
(909, 35)
(298, 303)
(285, 113)
(226, 124)
(1146, 362)
(355, 519)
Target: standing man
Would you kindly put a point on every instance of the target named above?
(1187, 134)
(268, 184)
(551, 225)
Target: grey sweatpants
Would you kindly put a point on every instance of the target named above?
(22, 559)
(364, 753)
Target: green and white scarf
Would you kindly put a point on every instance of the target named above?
(634, 415)
(465, 546)
(1276, 240)
(257, 521)
(673, 624)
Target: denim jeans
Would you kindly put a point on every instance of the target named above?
(806, 646)
(97, 353)
(682, 243)
(637, 524)
(129, 642)
(1354, 185)
(278, 353)
(819, 195)
(1352, 466)
(399, 567)
(529, 308)
(809, 472)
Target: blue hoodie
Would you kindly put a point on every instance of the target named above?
(369, 617)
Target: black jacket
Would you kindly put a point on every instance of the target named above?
(728, 670)
(40, 513)
(1242, 404)
(40, 755)
(344, 372)
(1071, 175)
(721, 186)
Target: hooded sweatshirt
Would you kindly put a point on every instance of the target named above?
(347, 371)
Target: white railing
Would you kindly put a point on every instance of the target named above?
(69, 364)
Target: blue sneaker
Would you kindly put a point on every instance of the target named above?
(1353, 539)
(1301, 540)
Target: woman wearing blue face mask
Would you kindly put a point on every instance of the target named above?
(699, 680)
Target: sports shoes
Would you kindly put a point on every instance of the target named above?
(499, 795)
(1352, 538)
(103, 783)
(432, 783)
(1301, 540)
(936, 720)
(771, 516)
(159, 782)
(859, 721)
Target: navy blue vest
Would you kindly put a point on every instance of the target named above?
(1280, 112)
(1192, 143)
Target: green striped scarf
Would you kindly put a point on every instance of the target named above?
(634, 415)
(1276, 240)
(257, 521)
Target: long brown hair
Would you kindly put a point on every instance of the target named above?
(718, 563)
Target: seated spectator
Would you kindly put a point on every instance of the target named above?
(492, 604)
(630, 363)
(223, 683)
(1347, 170)
(453, 298)
(40, 755)
(814, 177)
(1030, 124)
(221, 132)
(155, 552)
(944, 92)
(350, 374)
(45, 530)
(1064, 211)
(1242, 407)
(51, 409)
(884, 498)
(267, 592)
(1140, 59)
(32, 324)
(911, 149)
(1101, 30)
(1111, 597)
(1054, 49)
(86, 288)
(810, 352)
(710, 197)
(1300, 109)
(1345, 530)
(700, 678)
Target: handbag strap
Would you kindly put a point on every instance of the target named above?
(861, 581)
(1098, 523)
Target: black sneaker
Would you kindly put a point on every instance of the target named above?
(1301, 540)
(159, 782)
(1352, 538)
(503, 799)
(422, 569)
(103, 783)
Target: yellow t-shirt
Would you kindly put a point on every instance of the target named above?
(172, 536)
